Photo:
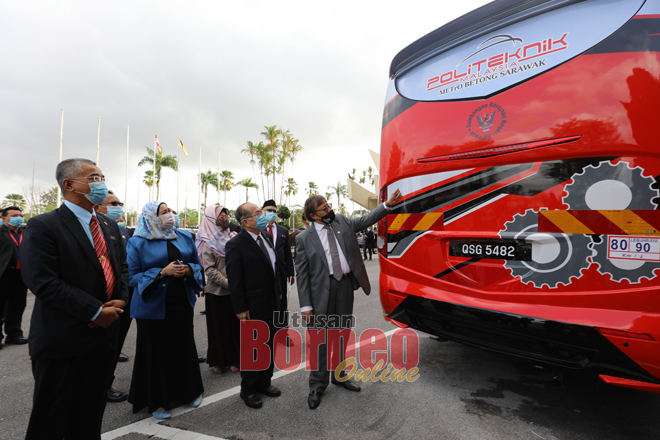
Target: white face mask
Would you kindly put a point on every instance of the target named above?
(167, 221)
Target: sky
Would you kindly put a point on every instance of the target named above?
(208, 72)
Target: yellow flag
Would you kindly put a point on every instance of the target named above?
(184, 148)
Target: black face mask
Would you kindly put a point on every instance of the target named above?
(328, 218)
(224, 224)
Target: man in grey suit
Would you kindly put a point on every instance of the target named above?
(329, 267)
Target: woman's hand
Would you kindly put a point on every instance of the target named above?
(173, 269)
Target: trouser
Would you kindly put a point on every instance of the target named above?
(13, 297)
(254, 381)
(367, 248)
(340, 303)
(70, 395)
(124, 325)
(282, 318)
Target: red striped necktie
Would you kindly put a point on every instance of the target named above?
(104, 256)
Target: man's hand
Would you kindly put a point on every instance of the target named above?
(395, 197)
(292, 280)
(308, 315)
(243, 315)
(117, 303)
(107, 316)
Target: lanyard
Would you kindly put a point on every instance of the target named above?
(18, 244)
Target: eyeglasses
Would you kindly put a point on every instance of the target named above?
(326, 209)
(96, 178)
(256, 214)
(113, 204)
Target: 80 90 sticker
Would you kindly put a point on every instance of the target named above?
(633, 248)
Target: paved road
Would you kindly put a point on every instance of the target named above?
(462, 393)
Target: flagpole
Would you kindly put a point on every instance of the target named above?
(128, 131)
(59, 191)
(98, 143)
(219, 176)
(186, 207)
(154, 177)
(178, 166)
(34, 165)
(138, 210)
(199, 193)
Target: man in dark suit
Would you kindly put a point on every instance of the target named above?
(13, 292)
(329, 268)
(254, 285)
(74, 262)
(369, 243)
(282, 244)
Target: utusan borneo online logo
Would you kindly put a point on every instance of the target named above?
(365, 357)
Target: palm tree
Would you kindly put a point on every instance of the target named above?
(291, 188)
(271, 135)
(149, 180)
(208, 178)
(370, 173)
(312, 189)
(14, 200)
(247, 183)
(340, 190)
(168, 161)
(253, 150)
(328, 196)
(226, 183)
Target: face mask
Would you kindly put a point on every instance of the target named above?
(328, 218)
(261, 222)
(270, 216)
(121, 224)
(16, 221)
(98, 192)
(224, 224)
(167, 221)
(177, 220)
(115, 212)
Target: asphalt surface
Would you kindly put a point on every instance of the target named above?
(462, 393)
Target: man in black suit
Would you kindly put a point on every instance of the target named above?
(282, 244)
(254, 284)
(369, 243)
(74, 262)
(13, 292)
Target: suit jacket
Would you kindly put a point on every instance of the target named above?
(6, 248)
(252, 283)
(60, 266)
(312, 270)
(370, 239)
(283, 252)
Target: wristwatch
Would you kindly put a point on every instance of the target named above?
(159, 276)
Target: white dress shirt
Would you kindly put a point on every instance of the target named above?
(323, 235)
(270, 250)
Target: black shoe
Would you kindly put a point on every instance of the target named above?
(201, 359)
(122, 358)
(348, 384)
(115, 396)
(271, 391)
(17, 340)
(251, 400)
(314, 399)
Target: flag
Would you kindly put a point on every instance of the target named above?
(184, 148)
(158, 144)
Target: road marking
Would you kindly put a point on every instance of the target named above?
(152, 427)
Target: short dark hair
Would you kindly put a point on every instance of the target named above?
(241, 213)
(303, 217)
(10, 208)
(69, 168)
(311, 205)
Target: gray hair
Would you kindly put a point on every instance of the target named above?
(68, 169)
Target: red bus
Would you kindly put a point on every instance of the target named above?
(523, 138)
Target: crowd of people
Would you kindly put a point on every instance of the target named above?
(91, 276)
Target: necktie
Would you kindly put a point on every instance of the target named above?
(263, 249)
(270, 231)
(334, 253)
(104, 256)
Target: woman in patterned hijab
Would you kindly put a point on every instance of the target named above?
(154, 227)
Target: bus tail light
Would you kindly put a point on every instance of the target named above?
(381, 240)
(625, 334)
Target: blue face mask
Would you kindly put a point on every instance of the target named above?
(270, 216)
(115, 212)
(121, 224)
(98, 192)
(261, 222)
(177, 220)
(16, 221)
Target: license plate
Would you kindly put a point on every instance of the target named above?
(491, 249)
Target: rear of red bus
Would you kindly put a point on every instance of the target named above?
(524, 138)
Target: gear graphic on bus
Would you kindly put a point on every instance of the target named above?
(619, 269)
(608, 186)
(556, 258)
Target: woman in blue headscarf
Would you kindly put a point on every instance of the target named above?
(165, 272)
